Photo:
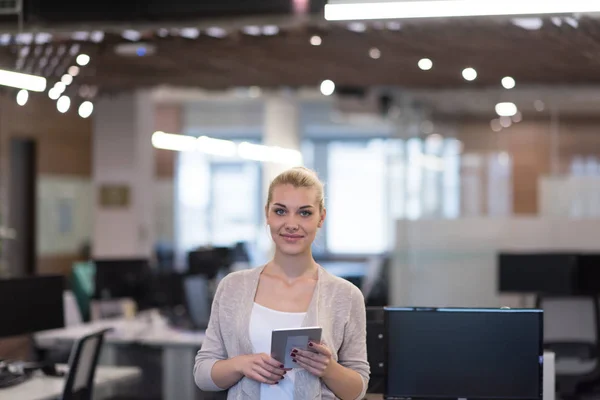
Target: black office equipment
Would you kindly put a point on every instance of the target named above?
(208, 261)
(376, 348)
(451, 353)
(124, 278)
(538, 273)
(31, 304)
(588, 274)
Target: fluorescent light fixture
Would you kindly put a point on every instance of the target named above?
(226, 148)
(217, 147)
(67, 79)
(22, 81)
(346, 11)
(316, 40)
(506, 109)
(469, 74)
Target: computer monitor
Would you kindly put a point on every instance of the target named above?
(452, 353)
(31, 304)
(123, 278)
(208, 261)
(168, 290)
(588, 274)
(537, 273)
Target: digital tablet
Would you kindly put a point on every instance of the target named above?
(283, 341)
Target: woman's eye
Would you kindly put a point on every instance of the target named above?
(305, 213)
(279, 211)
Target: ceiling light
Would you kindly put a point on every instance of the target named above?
(327, 87)
(24, 38)
(539, 105)
(572, 21)
(357, 27)
(97, 36)
(85, 109)
(22, 97)
(531, 24)
(394, 26)
(556, 21)
(216, 32)
(518, 117)
(469, 74)
(5, 39)
(163, 32)
(66, 79)
(80, 36)
(508, 82)
(345, 10)
(252, 30)
(73, 50)
(22, 81)
(316, 40)
(270, 30)
(506, 109)
(83, 59)
(43, 38)
(506, 122)
(54, 94)
(170, 141)
(375, 53)
(63, 104)
(190, 33)
(425, 64)
(132, 35)
(495, 125)
(60, 87)
(73, 70)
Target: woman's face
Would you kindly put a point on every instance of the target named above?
(294, 218)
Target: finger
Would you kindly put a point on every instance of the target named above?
(320, 348)
(272, 362)
(261, 379)
(312, 355)
(309, 368)
(314, 360)
(267, 375)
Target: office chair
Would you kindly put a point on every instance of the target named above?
(83, 361)
(572, 331)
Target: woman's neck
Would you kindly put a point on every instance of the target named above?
(294, 266)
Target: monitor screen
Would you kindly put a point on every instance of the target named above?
(31, 304)
(547, 273)
(588, 274)
(123, 278)
(464, 353)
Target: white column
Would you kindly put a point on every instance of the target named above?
(282, 129)
(123, 158)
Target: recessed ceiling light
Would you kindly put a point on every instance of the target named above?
(495, 125)
(425, 64)
(518, 117)
(506, 109)
(357, 27)
(539, 105)
(316, 40)
(508, 82)
(506, 122)
(83, 59)
(327, 87)
(22, 97)
(469, 74)
(374, 53)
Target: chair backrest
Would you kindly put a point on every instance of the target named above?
(83, 361)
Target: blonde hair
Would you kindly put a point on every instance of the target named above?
(298, 177)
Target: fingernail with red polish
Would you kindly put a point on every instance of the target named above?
(294, 360)
(281, 366)
(310, 344)
(294, 351)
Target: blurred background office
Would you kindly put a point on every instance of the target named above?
(136, 151)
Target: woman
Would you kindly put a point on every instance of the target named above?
(290, 291)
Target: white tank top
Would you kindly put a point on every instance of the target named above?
(262, 322)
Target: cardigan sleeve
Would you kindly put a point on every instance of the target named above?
(213, 346)
(353, 351)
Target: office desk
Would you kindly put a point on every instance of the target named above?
(42, 387)
(178, 348)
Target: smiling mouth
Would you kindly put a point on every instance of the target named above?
(292, 236)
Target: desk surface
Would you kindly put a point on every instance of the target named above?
(148, 331)
(41, 387)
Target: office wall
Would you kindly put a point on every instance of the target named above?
(453, 262)
(534, 151)
(63, 151)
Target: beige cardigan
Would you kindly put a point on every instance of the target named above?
(337, 306)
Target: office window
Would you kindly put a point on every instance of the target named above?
(357, 197)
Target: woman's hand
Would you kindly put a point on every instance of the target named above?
(318, 362)
(261, 368)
